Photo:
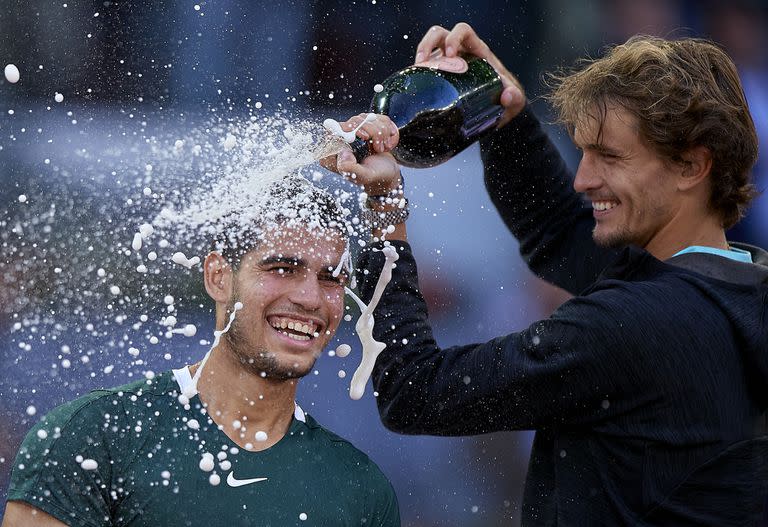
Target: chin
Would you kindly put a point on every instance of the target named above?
(286, 367)
(611, 240)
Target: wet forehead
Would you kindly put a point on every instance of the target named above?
(315, 247)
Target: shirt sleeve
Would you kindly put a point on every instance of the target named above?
(558, 371)
(387, 511)
(532, 189)
(64, 465)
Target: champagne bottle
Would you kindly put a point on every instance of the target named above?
(440, 107)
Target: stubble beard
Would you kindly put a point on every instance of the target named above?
(612, 240)
(257, 360)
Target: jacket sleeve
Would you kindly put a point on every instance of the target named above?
(559, 370)
(531, 187)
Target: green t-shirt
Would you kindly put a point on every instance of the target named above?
(134, 456)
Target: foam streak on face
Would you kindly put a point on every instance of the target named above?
(191, 390)
(364, 326)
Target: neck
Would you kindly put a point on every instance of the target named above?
(677, 235)
(242, 403)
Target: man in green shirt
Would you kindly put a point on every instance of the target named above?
(221, 442)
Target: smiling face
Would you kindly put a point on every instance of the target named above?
(292, 303)
(632, 189)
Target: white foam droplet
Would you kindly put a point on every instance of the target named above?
(181, 259)
(136, 243)
(378, 88)
(22, 198)
(334, 127)
(261, 436)
(303, 516)
(58, 97)
(89, 464)
(206, 463)
(146, 230)
(343, 350)
(214, 479)
(230, 142)
(31, 410)
(193, 424)
(42, 434)
(12, 74)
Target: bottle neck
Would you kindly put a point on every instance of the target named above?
(360, 149)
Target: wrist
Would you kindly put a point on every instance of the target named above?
(384, 210)
(385, 188)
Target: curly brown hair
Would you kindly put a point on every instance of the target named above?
(683, 93)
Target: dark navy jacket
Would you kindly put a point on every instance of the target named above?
(648, 390)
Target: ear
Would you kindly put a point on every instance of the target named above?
(218, 276)
(697, 164)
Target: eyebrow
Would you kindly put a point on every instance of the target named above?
(290, 260)
(298, 262)
(599, 147)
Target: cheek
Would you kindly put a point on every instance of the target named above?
(335, 300)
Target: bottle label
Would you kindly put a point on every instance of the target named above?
(451, 65)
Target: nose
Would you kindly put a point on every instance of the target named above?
(307, 292)
(587, 177)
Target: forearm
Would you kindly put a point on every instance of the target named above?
(512, 382)
(531, 187)
(417, 383)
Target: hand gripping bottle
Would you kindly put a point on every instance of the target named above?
(440, 107)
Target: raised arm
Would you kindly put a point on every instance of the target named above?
(532, 189)
(527, 179)
(557, 371)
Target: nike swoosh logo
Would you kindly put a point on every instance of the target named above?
(232, 481)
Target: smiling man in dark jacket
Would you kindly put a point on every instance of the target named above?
(648, 389)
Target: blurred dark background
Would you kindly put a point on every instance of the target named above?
(128, 70)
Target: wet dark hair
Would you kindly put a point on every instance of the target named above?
(293, 202)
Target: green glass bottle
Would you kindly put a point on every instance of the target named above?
(439, 113)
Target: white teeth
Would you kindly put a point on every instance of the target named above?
(603, 205)
(307, 329)
(296, 337)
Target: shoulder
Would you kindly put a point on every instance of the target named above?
(343, 453)
(88, 416)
